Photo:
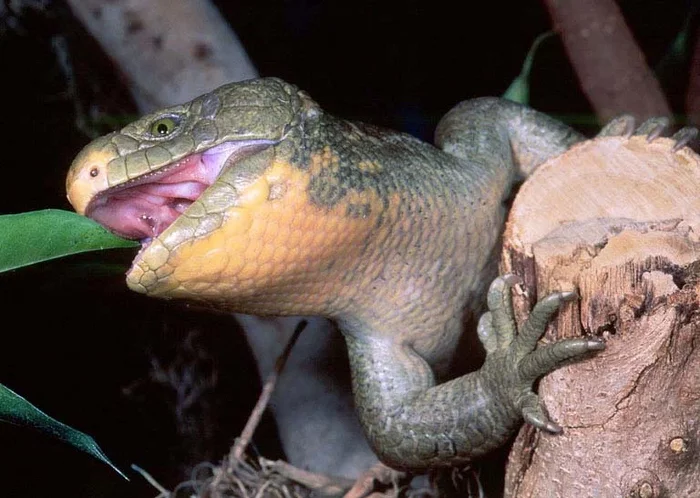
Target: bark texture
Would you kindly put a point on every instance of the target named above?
(608, 62)
(692, 101)
(616, 219)
(170, 52)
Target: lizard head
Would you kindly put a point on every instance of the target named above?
(241, 200)
(174, 178)
(138, 180)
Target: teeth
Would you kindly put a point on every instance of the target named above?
(180, 205)
(151, 222)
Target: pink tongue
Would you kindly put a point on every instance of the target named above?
(144, 211)
(186, 190)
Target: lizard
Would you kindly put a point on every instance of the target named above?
(252, 199)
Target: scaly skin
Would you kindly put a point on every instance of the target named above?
(389, 236)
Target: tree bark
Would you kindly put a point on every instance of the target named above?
(692, 98)
(171, 52)
(608, 62)
(617, 219)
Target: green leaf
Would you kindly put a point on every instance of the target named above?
(29, 238)
(14, 409)
(519, 89)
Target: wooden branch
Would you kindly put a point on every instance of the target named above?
(618, 220)
(607, 60)
(692, 98)
(170, 51)
(246, 437)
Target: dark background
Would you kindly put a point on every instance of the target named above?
(81, 347)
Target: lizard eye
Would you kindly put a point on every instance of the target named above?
(163, 127)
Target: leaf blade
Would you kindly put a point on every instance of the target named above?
(519, 89)
(14, 409)
(36, 236)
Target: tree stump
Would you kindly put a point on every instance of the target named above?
(618, 220)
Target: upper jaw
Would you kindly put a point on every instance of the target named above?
(142, 208)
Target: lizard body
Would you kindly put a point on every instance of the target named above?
(252, 199)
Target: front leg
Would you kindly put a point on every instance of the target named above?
(413, 424)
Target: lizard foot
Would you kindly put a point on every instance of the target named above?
(513, 360)
(653, 128)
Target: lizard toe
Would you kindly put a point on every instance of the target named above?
(537, 321)
(653, 127)
(619, 126)
(683, 137)
(500, 306)
(550, 356)
(535, 414)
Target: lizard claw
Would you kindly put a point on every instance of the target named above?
(519, 362)
(624, 126)
(653, 127)
(535, 414)
(619, 126)
(684, 136)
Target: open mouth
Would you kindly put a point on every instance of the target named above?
(144, 207)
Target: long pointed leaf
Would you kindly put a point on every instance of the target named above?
(519, 89)
(16, 410)
(36, 236)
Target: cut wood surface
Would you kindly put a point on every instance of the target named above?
(618, 220)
